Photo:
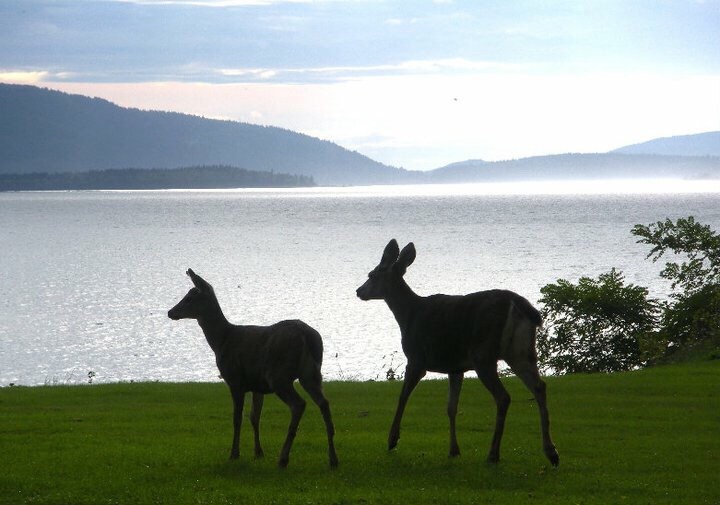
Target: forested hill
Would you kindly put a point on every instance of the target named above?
(206, 177)
(49, 131)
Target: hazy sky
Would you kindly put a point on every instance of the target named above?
(417, 84)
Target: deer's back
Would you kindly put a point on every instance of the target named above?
(259, 357)
(451, 331)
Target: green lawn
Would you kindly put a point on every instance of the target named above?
(651, 436)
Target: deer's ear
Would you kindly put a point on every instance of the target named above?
(198, 281)
(405, 259)
(390, 254)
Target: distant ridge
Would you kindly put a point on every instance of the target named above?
(685, 157)
(580, 167)
(49, 131)
(701, 144)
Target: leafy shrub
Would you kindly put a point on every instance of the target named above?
(602, 325)
(692, 317)
(596, 325)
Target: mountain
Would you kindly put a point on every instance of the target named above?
(701, 144)
(580, 166)
(49, 131)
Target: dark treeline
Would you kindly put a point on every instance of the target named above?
(202, 177)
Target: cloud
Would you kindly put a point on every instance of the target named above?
(213, 3)
(32, 76)
(22, 77)
(445, 66)
(401, 21)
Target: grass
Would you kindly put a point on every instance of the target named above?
(651, 436)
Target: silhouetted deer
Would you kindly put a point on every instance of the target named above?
(454, 334)
(260, 359)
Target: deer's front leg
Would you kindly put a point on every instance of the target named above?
(455, 384)
(412, 377)
(257, 405)
(238, 404)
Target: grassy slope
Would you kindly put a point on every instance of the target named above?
(645, 437)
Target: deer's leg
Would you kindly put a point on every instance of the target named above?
(257, 405)
(238, 404)
(297, 406)
(530, 376)
(455, 384)
(489, 377)
(412, 377)
(314, 389)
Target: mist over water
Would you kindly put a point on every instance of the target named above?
(88, 277)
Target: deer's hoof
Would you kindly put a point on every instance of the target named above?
(283, 462)
(259, 454)
(493, 458)
(333, 462)
(454, 452)
(554, 458)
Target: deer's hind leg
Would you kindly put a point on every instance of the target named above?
(487, 372)
(314, 388)
(528, 372)
(292, 399)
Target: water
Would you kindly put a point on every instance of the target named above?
(87, 277)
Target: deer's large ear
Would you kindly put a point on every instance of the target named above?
(390, 254)
(405, 259)
(198, 281)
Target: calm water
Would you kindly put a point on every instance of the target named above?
(88, 277)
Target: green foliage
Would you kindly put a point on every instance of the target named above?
(603, 325)
(692, 317)
(596, 325)
(698, 243)
(647, 437)
(692, 321)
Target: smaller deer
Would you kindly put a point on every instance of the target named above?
(260, 360)
(454, 334)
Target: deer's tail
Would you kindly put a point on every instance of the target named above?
(519, 333)
(527, 309)
(314, 345)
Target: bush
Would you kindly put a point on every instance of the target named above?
(692, 316)
(596, 325)
(605, 326)
(699, 245)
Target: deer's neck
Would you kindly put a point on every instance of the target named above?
(215, 326)
(403, 302)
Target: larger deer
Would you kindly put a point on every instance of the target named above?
(260, 360)
(455, 334)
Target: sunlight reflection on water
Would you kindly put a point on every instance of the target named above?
(585, 187)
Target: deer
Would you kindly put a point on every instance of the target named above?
(453, 334)
(260, 360)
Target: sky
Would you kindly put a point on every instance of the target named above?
(414, 84)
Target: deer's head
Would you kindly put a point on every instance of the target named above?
(389, 271)
(197, 302)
